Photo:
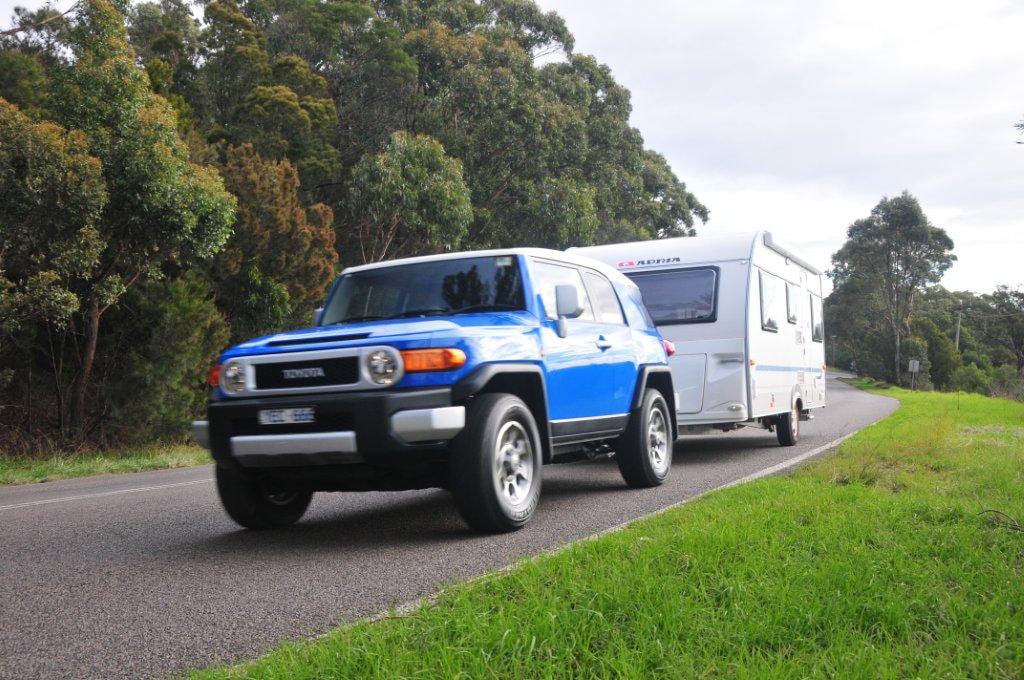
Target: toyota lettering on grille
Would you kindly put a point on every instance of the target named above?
(300, 373)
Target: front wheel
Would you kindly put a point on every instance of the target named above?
(255, 506)
(644, 452)
(496, 464)
(787, 427)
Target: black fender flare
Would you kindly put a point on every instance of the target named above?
(478, 380)
(662, 375)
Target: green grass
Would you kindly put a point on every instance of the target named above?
(14, 470)
(880, 561)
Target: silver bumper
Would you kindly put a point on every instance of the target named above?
(428, 424)
(312, 448)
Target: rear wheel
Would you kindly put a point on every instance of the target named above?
(787, 427)
(496, 464)
(644, 453)
(255, 505)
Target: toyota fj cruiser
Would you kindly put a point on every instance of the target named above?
(466, 371)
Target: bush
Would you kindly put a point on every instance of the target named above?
(1005, 381)
(970, 378)
(154, 377)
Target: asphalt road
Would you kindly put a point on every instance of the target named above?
(144, 575)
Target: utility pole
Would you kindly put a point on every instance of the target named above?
(959, 318)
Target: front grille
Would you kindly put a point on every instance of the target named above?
(313, 373)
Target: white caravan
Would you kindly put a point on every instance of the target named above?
(744, 314)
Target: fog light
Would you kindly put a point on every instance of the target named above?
(382, 366)
(232, 377)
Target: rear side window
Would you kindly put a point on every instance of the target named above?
(771, 301)
(679, 295)
(636, 311)
(817, 324)
(606, 302)
(792, 302)
(547, 275)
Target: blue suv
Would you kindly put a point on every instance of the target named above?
(466, 371)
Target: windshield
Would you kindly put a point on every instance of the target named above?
(433, 288)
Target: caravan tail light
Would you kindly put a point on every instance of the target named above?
(670, 348)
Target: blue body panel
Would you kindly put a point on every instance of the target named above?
(583, 380)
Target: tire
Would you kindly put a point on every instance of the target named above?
(496, 462)
(250, 504)
(787, 427)
(644, 453)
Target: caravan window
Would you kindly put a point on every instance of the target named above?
(792, 302)
(771, 301)
(817, 325)
(679, 295)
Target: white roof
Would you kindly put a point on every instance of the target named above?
(572, 258)
(693, 249)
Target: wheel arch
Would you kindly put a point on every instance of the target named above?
(525, 380)
(658, 377)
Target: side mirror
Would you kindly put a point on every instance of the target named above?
(567, 306)
(317, 313)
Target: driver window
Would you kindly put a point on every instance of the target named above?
(547, 275)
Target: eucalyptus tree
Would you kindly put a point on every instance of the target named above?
(893, 254)
(161, 208)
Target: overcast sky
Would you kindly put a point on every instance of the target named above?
(798, 115)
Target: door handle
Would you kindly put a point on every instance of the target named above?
(603, 344)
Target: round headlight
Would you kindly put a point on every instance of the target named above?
(382, 366)
(232, 378)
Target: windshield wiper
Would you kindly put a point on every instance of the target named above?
(429, 311)
(486, 307)
(365, 317)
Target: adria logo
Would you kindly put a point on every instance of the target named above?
(625, 264)
(297, 373)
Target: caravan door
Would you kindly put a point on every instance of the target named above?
(677, 299)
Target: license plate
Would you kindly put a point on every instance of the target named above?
(286, 416)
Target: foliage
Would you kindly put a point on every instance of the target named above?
(133, 206)
(970, 378)
(943, 357)
(281, 256)
(152, 384)
(890, 257)
(346, 130)
(52, 197)
(22, 79)
(408, 199)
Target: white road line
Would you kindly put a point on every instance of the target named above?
(116, 492)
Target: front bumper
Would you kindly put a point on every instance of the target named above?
(350, 427)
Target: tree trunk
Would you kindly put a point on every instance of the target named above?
(899, 360)
(81, 383)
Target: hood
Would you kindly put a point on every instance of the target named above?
(377, 332)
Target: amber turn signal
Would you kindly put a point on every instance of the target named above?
(213, 377)
(433, 359)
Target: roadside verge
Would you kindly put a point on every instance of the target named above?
(896, 556)
(21, 470)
